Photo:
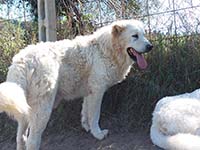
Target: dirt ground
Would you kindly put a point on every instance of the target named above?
(82, 141)
(64, 132)
(77, 139)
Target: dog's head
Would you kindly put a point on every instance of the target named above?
(128, 37)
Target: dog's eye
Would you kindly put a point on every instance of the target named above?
(135, 36)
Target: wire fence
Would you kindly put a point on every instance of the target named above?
(167, 17)
(178, 17)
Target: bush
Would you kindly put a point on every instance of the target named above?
(11, 41)
(174, 68)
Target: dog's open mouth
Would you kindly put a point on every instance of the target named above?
(138, 57)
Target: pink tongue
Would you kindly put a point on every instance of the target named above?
(142, 63)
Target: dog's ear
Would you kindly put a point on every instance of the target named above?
(117, 30)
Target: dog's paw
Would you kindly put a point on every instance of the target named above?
(85, 126)
(100, 135)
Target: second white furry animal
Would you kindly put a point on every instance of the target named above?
(176, 122)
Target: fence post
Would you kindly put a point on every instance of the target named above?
(47, 20)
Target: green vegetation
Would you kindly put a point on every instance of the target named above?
(11, 41)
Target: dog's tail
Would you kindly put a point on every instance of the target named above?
(13, 100)
(180, 141)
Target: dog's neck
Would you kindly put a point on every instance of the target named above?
(115, 58)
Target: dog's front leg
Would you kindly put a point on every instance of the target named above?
(93, 105)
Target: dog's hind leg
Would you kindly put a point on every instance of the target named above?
(38, 122)
(21, 133)
(39, 117)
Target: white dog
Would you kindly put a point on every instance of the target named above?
(41, 75)
(176, 122)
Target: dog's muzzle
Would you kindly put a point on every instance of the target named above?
(138, 57)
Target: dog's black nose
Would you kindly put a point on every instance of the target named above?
(149, 47)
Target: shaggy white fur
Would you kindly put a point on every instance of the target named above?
(176, 122)
(43, 74)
